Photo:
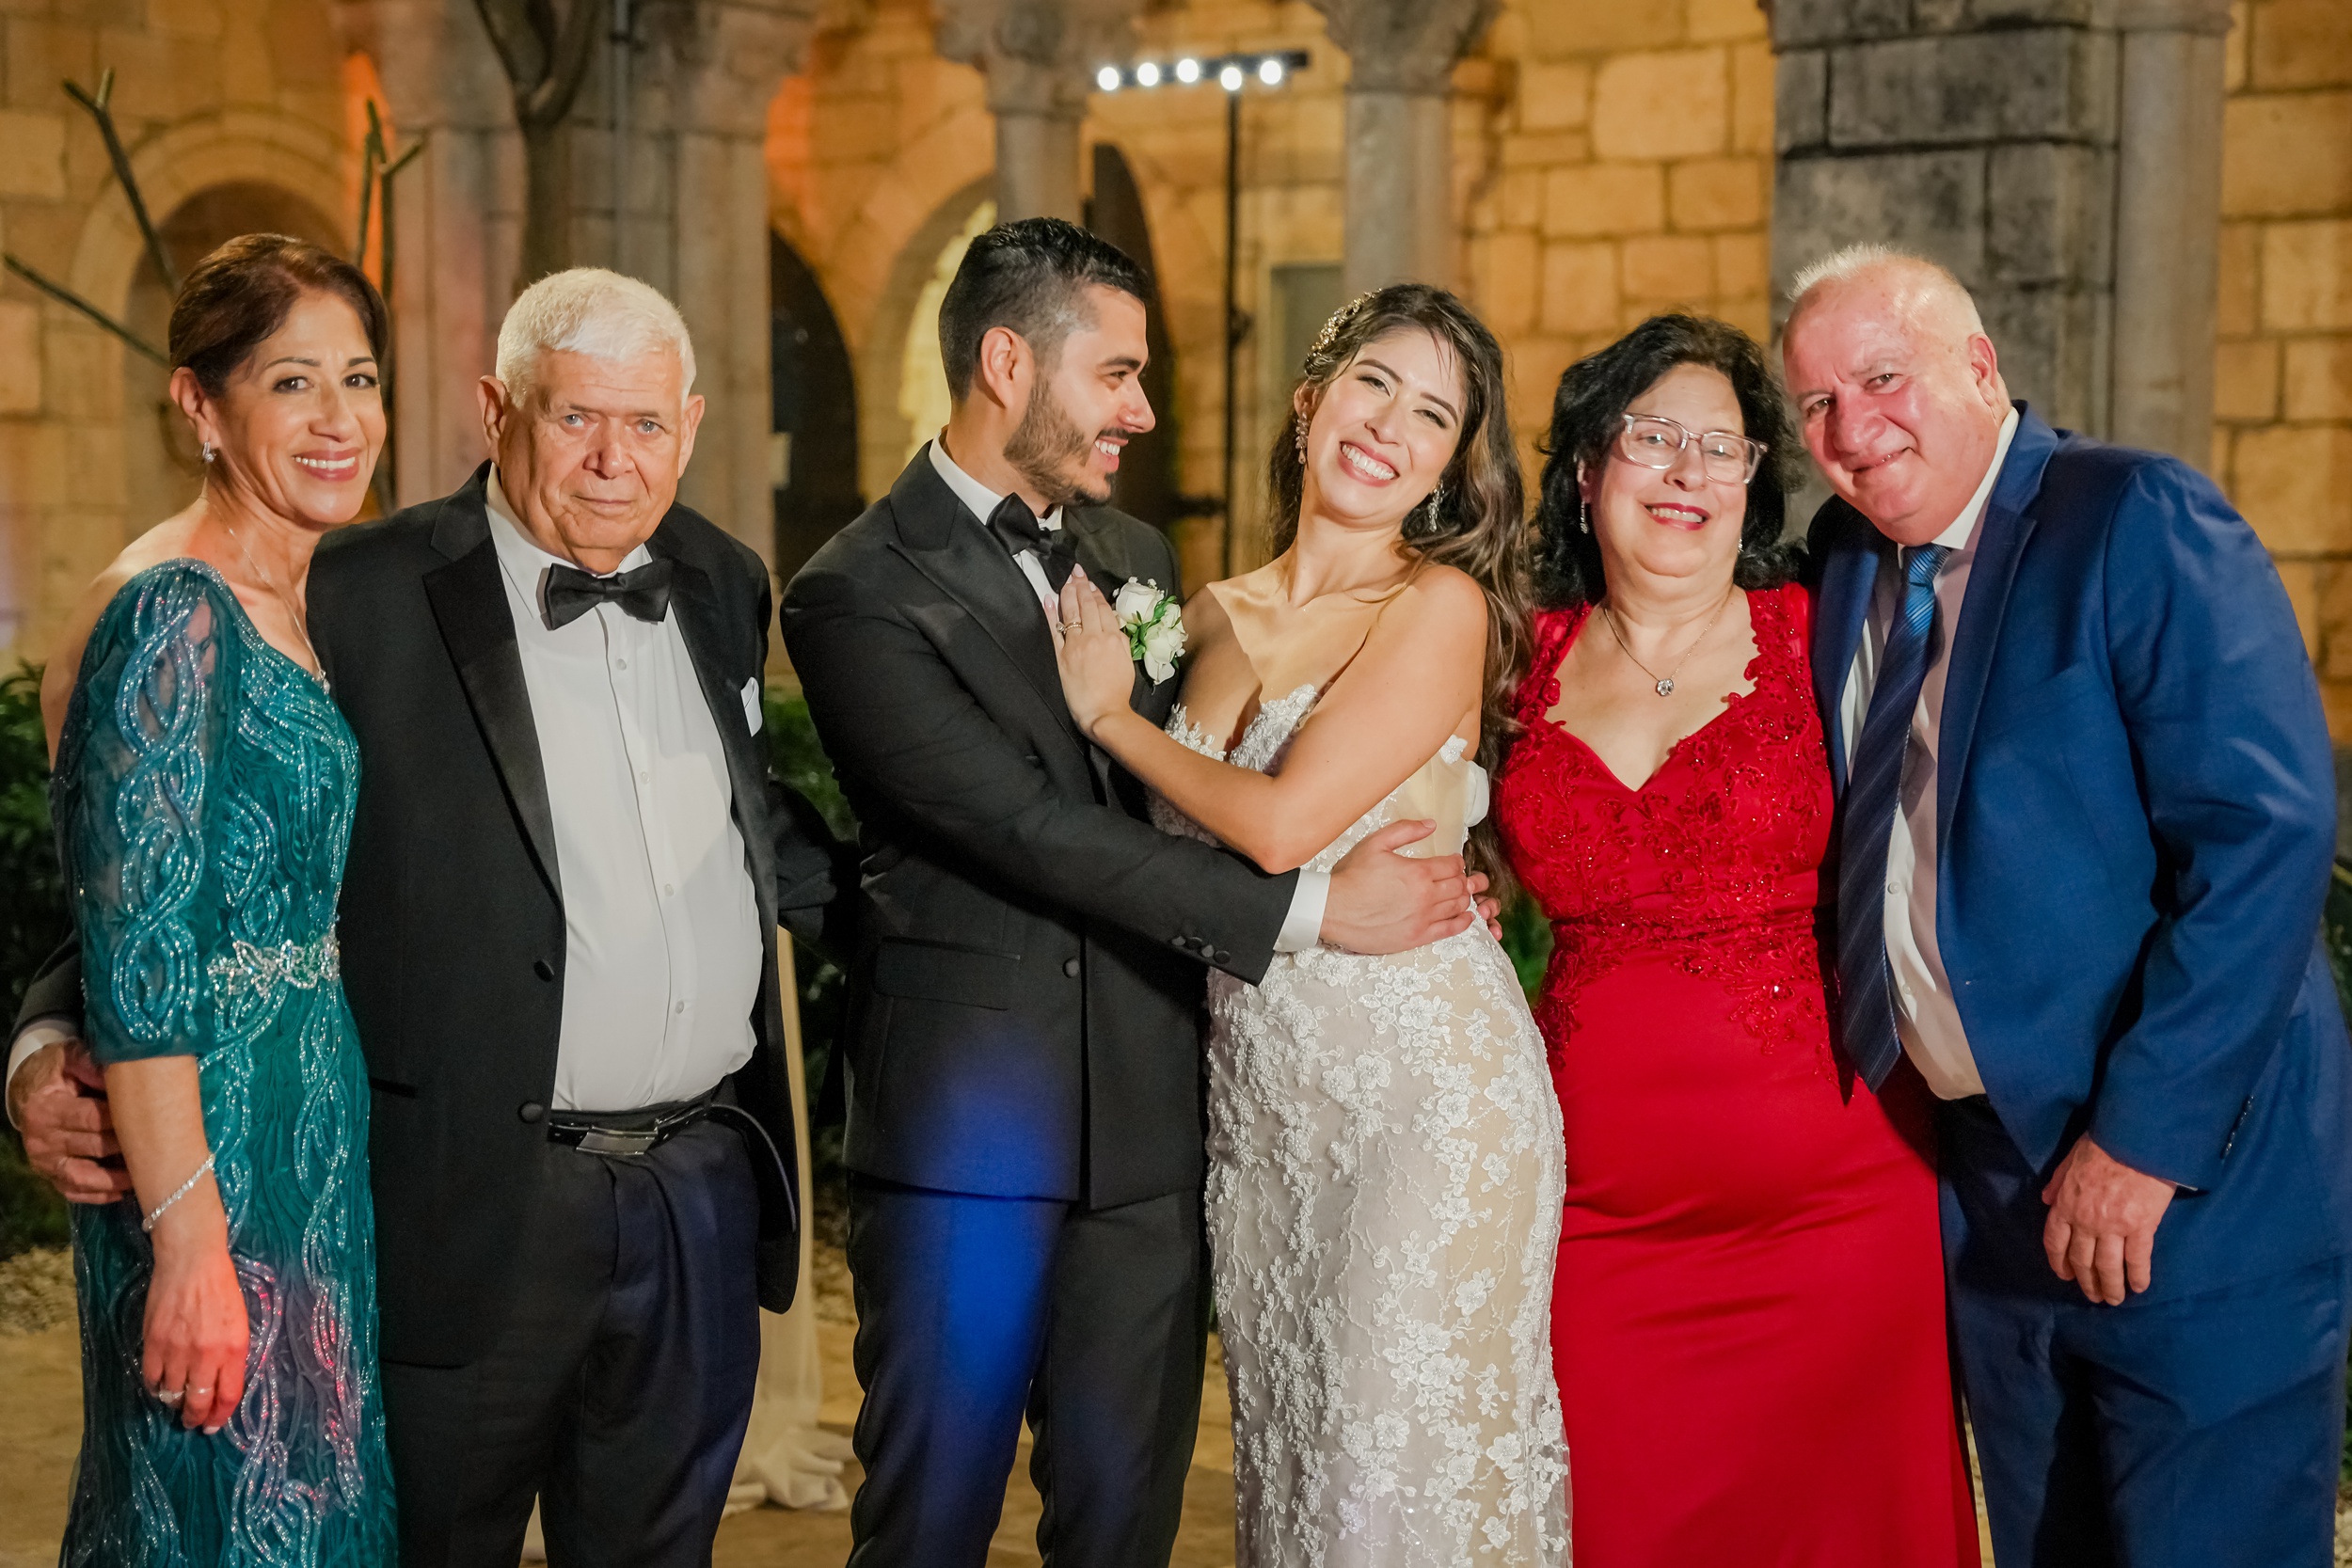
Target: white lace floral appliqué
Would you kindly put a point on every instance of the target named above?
(1386, 1175)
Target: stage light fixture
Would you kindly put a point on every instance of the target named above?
(1270, 70)
(1107, 78)
(1188, 71)
(1230, 78)
(1148, 74)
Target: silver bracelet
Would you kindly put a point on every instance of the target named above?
(186, 1188)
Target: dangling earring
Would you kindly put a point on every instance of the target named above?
(208, 451)
(1437, 500)
(1583, 523)
(1298, 436)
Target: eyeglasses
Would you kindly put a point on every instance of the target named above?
(1656, 442)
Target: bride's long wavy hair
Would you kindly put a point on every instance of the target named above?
(1479, 525)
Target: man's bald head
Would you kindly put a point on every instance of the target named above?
(1898, 387)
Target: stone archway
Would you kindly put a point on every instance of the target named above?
(812, 412)
(887, 433)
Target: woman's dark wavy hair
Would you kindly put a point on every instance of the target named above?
(1589, 410)
(1481, 525)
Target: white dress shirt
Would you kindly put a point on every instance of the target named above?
(1926, 1017)
(663, 956)
(1302, 928)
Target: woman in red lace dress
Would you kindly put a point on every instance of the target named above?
(1748, 1314)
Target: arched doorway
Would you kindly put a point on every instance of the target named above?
(162, 471)
(813, 404)
(1147, 472)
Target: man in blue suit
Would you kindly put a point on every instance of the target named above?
(2087, 811)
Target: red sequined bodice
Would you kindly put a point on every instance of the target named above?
(1713, 862)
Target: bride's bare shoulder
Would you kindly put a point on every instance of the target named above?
(1441, 594)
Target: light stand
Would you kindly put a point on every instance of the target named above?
(1231, 72)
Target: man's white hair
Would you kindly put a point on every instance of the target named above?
(1853, 260)
(592, 311)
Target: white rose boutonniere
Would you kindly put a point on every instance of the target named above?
(1154, 625)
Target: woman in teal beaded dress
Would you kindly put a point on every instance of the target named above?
(204, 791)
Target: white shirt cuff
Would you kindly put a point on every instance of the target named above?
(1302, 928)
(41, 1031)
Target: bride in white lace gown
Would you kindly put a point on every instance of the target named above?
(1385, 1157)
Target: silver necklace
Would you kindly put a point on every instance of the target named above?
(1665, 685)
(300, 626)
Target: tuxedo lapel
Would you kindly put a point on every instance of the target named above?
(1847, 579)
(468, 600)
(2008, 523)
(693, 599)
(964, 561)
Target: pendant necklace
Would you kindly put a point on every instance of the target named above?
(1665, 685)
(301, 629)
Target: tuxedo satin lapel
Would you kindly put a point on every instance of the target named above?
(1847, 579)
(695, 601)
(2008, 523)
(965, 562)
(468, 600)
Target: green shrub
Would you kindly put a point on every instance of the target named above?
(2337, 924)
(33, 921)
(799, 761)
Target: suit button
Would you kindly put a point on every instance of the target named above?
(1070, 967)
(531, 1111)
(1221, 956)
(1181, 941)
(543, 968)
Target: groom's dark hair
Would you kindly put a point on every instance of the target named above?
(1030, 276)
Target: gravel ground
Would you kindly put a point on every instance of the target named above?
(36, 1291)
(36, 1294)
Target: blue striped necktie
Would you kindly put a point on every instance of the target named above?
(1873, 792)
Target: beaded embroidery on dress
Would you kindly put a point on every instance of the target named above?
(1384, 1195)
(203, 798)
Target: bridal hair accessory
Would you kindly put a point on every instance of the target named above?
(1320, 347)
(186, 1188)
(1154, 625)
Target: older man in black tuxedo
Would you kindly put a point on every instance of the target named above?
(558, 943)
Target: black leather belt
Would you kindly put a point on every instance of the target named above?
(628, 1131)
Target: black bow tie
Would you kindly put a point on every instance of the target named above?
(644, 593)
(1017, 526)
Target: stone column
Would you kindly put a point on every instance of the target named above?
(1990, 147)
(2168, 224)
(1039, 58)
(1399, 222)
(456, 215)
(698, 228)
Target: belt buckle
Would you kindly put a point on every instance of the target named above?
(601, 1140)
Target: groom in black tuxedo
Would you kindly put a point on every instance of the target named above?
(558, 923)
(1024, 1053)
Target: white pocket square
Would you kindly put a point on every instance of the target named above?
(752, 714)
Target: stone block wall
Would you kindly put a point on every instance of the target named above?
(1609, 162)
(1983, 134)
(2282, 437)
(207, 93)
(1628, 172)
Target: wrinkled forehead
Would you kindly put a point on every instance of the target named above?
(1854, 333)
(650, 378)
